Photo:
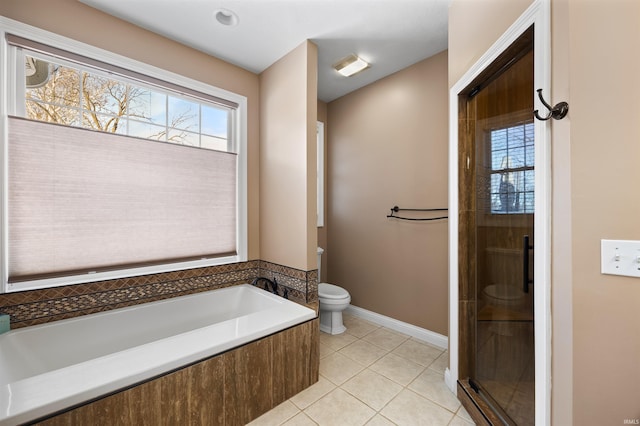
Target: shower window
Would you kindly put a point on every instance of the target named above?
(512, 169)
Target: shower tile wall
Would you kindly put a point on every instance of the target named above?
(33, 307)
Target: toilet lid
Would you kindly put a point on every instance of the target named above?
(330, 291)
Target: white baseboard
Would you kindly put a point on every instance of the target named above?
(419, 333)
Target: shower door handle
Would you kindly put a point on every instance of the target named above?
(525, 264)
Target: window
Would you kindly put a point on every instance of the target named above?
(115, 168)
(57, 91)
(512, 169)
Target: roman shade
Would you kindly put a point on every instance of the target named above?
(81, 201)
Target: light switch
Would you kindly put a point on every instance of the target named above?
(620, 257)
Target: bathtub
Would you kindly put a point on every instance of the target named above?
(47, 368)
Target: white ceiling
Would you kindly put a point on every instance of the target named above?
(389, 34)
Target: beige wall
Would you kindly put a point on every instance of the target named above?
(596, 329)
(388, 146)
(474, 25)
(604, 65)
(73, 19)
(561, 237)
(288, 114)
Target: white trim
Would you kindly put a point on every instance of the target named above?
(42, 36)
(451, 373)
(539, 13)
(419, 333)
(5, 65)
(320, 171)
(542, 222)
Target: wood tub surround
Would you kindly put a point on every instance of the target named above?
(232, 388)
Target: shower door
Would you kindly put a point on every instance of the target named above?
(501, 111)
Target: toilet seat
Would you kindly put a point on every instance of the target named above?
(332, 292)
(506, 296)
(503, 292)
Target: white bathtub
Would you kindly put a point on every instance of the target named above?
(50, 367)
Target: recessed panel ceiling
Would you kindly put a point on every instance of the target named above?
(389, 34)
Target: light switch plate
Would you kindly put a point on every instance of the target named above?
(620, 257)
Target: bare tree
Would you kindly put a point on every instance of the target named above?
(58, 100)
(78, 98)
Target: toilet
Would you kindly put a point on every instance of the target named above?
(333, 300)
(503, 295)
(504, 266)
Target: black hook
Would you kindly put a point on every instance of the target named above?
(557, 112)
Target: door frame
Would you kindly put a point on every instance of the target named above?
(538, 14)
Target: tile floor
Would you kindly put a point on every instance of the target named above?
(374, 376)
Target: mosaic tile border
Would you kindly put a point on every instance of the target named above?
(301, 285)
(41, 306)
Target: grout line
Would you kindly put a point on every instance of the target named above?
(362, 368)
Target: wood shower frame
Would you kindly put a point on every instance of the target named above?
(469, 239)
(537, 14)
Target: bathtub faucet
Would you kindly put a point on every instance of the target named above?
(267, 283)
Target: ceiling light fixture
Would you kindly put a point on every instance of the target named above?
(227, 17)
(350, 65)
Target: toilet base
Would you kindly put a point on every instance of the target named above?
(331, 322)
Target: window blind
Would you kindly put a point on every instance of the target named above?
(82, 201)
